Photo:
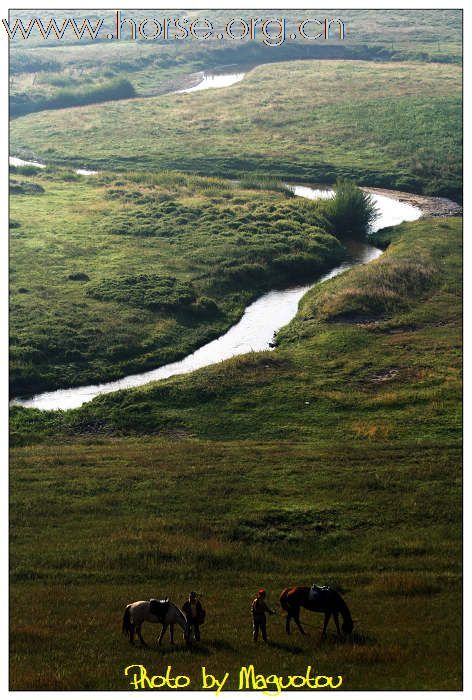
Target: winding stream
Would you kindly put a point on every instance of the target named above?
(261, 320)
(254, 332)
(214, 79)
(18, 162)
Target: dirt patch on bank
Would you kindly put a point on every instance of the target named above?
(175, 85)
(384, 375)
(430, 206)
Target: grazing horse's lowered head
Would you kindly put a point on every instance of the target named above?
(156, 611)
(326, 600)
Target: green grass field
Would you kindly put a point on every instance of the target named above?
(396, 125)
(228, 480)
(104, 247)
(376, 520)
(335, 458)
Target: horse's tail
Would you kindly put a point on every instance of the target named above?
(348, 624)
(283, 599)
(127, 624)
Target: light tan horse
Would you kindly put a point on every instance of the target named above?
(156, 611)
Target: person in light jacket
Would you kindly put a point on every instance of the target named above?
(194, 613)
(259, 608)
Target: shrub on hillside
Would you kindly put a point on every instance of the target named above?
(116, 89)
(23, 187)
(351, 211)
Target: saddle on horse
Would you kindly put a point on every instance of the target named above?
(317, 592)
(159, 608)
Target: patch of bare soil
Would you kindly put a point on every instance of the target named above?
(384, 375)
(430, 206)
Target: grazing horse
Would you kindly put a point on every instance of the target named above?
(327, 601)
(153, 610)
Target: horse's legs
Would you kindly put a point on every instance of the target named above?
(326, 620)
(171, 632)
(336, 620)
(165, 625)
(138, 631)
(131, 633)
(296, 617)
(287, 623)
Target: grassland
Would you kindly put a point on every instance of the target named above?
(41, 70)
(396, 125)
(111, 275)
(337, 355)
(335, 458)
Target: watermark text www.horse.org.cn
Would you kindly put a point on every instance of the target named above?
(271, 31)
(247, 679)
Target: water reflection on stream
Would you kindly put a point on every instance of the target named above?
(261, 319)
(214, 79)
(254, 332)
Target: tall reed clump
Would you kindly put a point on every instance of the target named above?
(259, 181)
(351, 211)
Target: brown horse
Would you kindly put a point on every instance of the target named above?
(327, 601)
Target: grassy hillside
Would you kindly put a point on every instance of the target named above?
(40, 70)
(382, 354)
(111, 275)
(335, 458)
(395, 125)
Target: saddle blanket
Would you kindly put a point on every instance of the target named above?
(316, 592)
(158, 607)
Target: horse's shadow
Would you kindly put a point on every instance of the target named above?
(360, 639)
(221, 645)
(172, 649)
(196, 649)
(355, 638)
(285, 647)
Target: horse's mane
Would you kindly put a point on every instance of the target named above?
(168, 606)
(292, 591)
(179, 610)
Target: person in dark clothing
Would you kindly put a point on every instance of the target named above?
(194, 613)
(259, 608)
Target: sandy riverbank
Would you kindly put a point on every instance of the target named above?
(430, 206)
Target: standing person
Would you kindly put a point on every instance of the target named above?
(259, 608)
(194, 613)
